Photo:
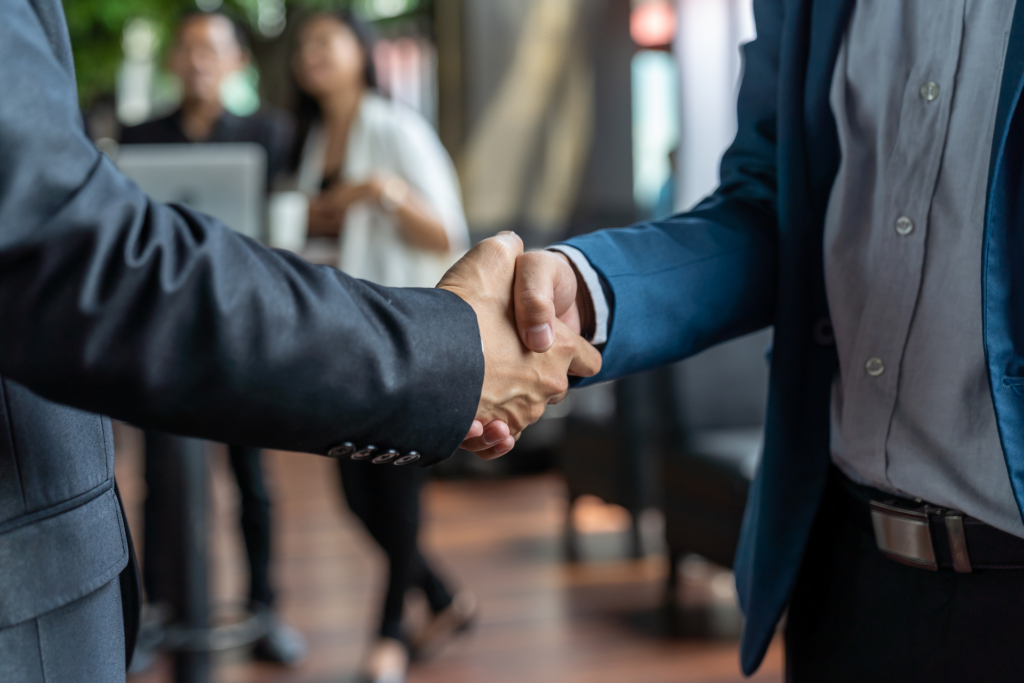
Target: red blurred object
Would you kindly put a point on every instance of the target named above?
(652, 23)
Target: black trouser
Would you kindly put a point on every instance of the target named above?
(857, 616)
(255, 517)
(386, 500)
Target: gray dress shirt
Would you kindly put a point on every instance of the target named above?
(914, 96)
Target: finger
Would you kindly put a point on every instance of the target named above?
(586, 361)
(545, 287)
(475, 430)
(493, 434)
(497, 451)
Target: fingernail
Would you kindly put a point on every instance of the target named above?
(539, 336)
(491, 440)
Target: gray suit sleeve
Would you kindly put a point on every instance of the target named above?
(159, 316)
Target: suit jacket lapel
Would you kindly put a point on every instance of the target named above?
(828, 26)
(1010, 89)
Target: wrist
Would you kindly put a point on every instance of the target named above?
(390, 192)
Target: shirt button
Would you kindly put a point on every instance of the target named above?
(904, 226)
(930, 91)
(874, 367)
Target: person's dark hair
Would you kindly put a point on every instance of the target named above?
(307, 109)
(241, 35)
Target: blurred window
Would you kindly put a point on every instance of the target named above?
(655, 124)
(407, 72)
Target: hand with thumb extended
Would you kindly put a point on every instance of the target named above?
(518, 382)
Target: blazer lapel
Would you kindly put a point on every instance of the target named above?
(1009, 91)
(828, 26)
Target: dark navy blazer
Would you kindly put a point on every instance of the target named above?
(113, 304)
(751, 255)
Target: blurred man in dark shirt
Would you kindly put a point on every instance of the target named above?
(209, 48)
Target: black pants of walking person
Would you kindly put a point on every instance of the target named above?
(858, 616)
(255, 517)
(387, 501)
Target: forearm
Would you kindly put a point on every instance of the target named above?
(419, 227)
(226, 340)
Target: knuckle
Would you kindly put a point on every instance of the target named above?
(557, 385)
(509, 244)
(530, 258)
(535, 302)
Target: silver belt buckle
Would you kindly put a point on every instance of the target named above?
(904, 536)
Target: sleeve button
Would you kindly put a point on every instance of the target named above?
(342, 450)
(385, 457)
(364, 453)
(410, 457)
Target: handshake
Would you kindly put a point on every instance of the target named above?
(530, 312)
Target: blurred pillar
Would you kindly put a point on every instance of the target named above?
(605, 196)
(529, 111)
(448, 27)
(183, 518)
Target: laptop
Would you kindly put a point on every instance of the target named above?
(224, 180)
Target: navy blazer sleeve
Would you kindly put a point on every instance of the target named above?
(693, 280)
(153, 314)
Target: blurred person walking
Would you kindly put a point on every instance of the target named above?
(209, 48)
(381, 182)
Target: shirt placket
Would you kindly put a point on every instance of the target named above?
(898, 243)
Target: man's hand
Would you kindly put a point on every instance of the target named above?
(518, 382)
(547, 290)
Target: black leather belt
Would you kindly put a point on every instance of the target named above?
(929, 537)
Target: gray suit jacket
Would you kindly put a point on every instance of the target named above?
(112, 304)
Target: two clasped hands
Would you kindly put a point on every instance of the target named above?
(531, 312)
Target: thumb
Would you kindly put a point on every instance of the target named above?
(545, 288)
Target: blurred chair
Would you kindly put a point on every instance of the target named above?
(715, 403)
(610, 450)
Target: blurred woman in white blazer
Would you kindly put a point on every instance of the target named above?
(378, 178)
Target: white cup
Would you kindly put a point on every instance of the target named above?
(288, 214)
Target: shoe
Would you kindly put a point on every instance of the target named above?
(386, 662)
(282, 644)
(457, 618)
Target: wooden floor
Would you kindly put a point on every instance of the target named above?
(542, 620)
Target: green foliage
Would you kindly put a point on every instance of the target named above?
(97, 26)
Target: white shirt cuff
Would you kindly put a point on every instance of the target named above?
(593, 282)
